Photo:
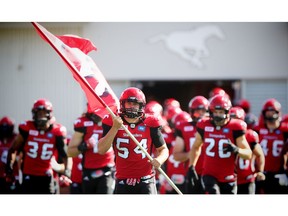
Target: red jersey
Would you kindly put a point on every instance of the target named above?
(76, 171)
(91, 158)
(187, 131)
(216, 162)
(245, 168)
(40, 146)
(174, 169)
(272, 143)
(131, 161)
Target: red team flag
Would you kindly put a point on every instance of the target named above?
(73, 51)
(101, 99)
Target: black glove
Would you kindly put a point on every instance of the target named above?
(230, 147)
(9, 174)
(192, 176)
(82, 147)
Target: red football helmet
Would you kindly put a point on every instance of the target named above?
(42, 104)
(216, 91)
(171, 111)
(6, 126)
(237, 112)
(132, 94)
(182, 116)
(153, 107)
(219, 102)
(197, 103)
(271, 105)
(171, 102)
(244, 104)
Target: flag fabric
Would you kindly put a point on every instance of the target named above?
(73, 50)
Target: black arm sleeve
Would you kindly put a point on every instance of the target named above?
(178, 133)
(252, 145)
(106, 129)
(238, 133)
(61, 147)
(81, 129)
(201, 132)
(157, 137)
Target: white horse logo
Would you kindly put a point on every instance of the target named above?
(190, 45)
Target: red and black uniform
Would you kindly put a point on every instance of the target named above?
(134, 173)
(13, 186)
(274, 145)
(218, 165)
(246, 168)
(38, 149)
(187, 131)
(97, 169)
(76, 175)
(175, 170)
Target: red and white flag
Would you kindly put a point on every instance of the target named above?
(73, 50)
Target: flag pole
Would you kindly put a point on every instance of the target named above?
(106, 107)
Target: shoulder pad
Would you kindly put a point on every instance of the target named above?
(26, 126)
(284, 126)
(152, 121)
(59, 130)
(238, 124)
(252, 136)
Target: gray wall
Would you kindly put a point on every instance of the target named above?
(30, 68)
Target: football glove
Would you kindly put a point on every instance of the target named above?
(64, 181)
(283, 180)
(9, 174)
(89, 144)
(192, 176)
(230, 147)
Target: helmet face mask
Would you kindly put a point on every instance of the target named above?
(6, 127)
(271, 115)
(41, 113)
(219, 109)
(271, 110)
(198, 107)
(132, 103)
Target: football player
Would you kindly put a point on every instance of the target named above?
(185, 136)
(38, 139)
(222, 139)
(273, 136)
(97, 169)
(249, 170)
(135, 173)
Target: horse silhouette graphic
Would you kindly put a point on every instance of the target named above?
(190, 45)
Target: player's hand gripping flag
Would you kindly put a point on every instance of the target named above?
(73, 50)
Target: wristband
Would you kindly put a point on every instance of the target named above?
(82, 147)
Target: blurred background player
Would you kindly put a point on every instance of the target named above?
(135, 174)
(222, 139)
(7, 136)
(250, 119)
(249, 170)
(185, 136)
(175, 170)
(38, 139)
(97, 169)
(171, 108)
(273, 134)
